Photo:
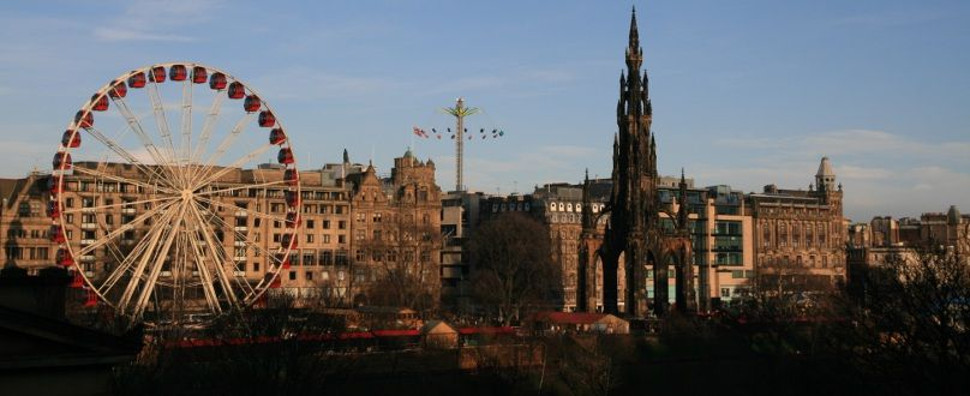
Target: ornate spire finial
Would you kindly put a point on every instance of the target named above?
(634, 34)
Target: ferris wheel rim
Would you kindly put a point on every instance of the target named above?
(277, 258)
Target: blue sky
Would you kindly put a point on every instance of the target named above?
(745, 93)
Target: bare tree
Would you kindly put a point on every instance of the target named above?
(908, 330)
(513, 269)
(402, 257)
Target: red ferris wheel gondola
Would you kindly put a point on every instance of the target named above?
(92, 299)
(62, 161)
(292, 199)
(118, 90)
(71, 139)
(77, 282)
(53, 210)
(64, 258)
(84, 119)
(137, 80)
(54, 185)
(178, 73)
(291, 176)
(157, 74)
(251, 105)
(267, 119)
(288, 241)
(217, 81)
(56, 234)
(236, 90)
(99, 103)
(277, 136)
(285, 156)
(199, 75)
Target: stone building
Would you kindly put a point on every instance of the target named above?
(885, 238)
(801, 235)
(396, 229)
(343, 207)
(721, 232)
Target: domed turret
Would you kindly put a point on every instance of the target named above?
(825, 178)
(953, 216)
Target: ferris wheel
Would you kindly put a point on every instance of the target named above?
(161, 203)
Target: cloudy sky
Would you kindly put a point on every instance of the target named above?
(745, 92)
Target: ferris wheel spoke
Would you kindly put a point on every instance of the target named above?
(236, 164)
(161, 122)
(125, 266)
(163, 254)
(186, 145)
(179, 172)
(132, 225)
(211, 298)
(234, 207)
(245, 239)
(135, 125)
(225, 144)
(218, 249)
(120, 205)
(108, 176)
(124, 154)
(148, 253)
(237, 188)
(206, 133)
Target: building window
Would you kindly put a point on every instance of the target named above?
(292, 275)
(725, 292)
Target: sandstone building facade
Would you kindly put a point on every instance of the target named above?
(345, 210)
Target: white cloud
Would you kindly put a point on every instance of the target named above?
(120, 34)
(144, 20)
(883, 173)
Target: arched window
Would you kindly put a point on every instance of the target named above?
(552, 207)
(569, 207)
(562, 207)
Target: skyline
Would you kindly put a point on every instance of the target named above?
(875, 86)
